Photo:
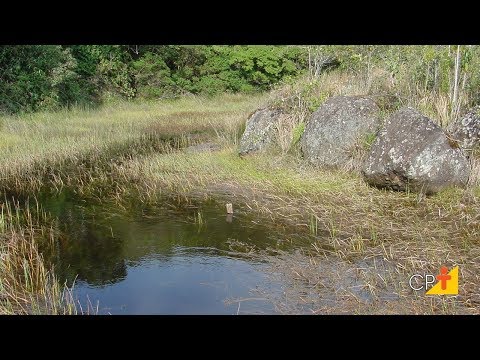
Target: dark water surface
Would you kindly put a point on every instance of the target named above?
(167, 259)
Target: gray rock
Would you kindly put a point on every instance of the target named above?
(413, 152)
(260, 131)
(336, 127)
(466, 130)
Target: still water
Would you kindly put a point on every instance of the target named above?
(189, 259)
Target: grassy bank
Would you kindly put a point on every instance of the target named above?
(352, 222)
(133, 151)
(58, 146)
(81, 148)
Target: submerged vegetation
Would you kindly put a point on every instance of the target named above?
(134, 151)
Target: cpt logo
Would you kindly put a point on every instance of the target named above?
(447, 282)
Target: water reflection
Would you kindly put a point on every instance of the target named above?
(159, 259)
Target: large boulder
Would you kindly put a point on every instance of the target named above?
(260, 130)
(413, 152)
(336, 128)
(466, 130)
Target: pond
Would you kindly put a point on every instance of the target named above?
(164, 259)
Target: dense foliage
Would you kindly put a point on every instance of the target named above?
(34, 77)
(44, 77)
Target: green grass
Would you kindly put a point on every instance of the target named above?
(185, 172)
(34, 141)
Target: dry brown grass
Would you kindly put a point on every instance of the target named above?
(284, 131)
(27, 286)
(474, 179)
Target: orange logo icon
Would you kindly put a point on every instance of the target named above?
(447, 282)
